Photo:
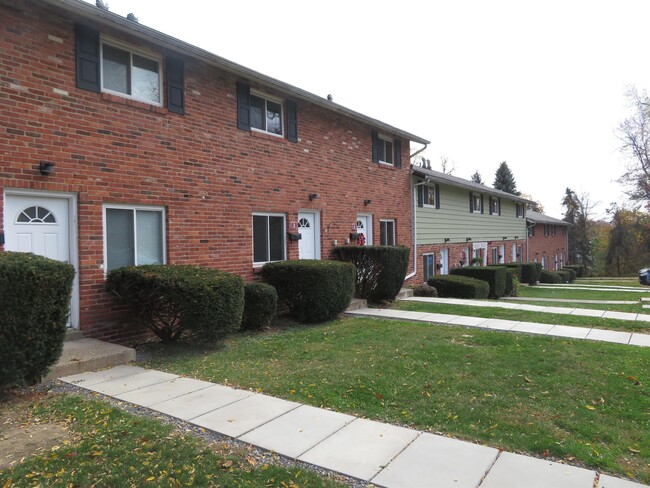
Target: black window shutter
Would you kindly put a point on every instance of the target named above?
(398, 153)
(437, 195)
(87, 53)
(175, 86)
(482, 202)
(292, 121)
(499, 200)
(421, 196)
(243, 106)
(375, 146)
(471, 202)
(490, 205)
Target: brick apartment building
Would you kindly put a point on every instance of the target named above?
(121, 145)
(548, 241)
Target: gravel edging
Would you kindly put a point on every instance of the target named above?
(260, 455)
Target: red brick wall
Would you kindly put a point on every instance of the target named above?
(209, 175)
(457, 254)
(548, 246)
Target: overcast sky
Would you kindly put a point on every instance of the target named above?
(539, 85)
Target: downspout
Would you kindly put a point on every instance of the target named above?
(413, 218)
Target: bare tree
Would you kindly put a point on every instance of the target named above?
(634, 134)
(446, 166)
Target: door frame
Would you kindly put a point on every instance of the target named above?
(72, 237)
(368, 217)
(316, 214)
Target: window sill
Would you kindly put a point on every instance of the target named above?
(134, 103)
(259, 134)
(384, 164)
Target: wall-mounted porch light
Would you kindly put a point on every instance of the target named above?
(313, 196)
(367, 202)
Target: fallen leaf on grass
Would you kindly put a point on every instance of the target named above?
(634, 380)
(590, 407)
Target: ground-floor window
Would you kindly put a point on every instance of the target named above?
(387, 232)
(133, 236)
(429, 266)
(268, 238)
(495, 255)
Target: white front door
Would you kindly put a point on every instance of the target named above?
(40, 225)
(444, 260)
(502, 253)
(308, 228)
(364, 226)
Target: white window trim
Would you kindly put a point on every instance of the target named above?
(394, 234)
(148, 208)
(435, 196)
(259, 264)
(132, 50)
(434, 263)
(383, 138)
(279, 101)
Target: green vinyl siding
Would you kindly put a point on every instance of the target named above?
(454, 221)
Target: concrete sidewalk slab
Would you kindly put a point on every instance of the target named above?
(499, 324)
(437, 461)
(361, 448)
(532, 328)
(531, 308)
(641, 317)
(238, 418)
(133, 382)
(160, 392)
(609, 336)
(468, 321)
(517, 471)
(80, 355)
(560, 310)
(569, 331)
(192, 405)
(442, 318)
(585, 312)
(609, 314)
(607, 481)
(298, 430)
(91, 378)
(640, 340)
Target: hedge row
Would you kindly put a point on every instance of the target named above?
(457, 286)
(380, 270)
(580, 270)
(550, 277)
(35, 294)
(312, 290)
(171, 300)
(495, 276)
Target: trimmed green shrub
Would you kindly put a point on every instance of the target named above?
(565, 274)
(424, 290)
(495, 276)
(35, 294)
(510, 275)
(530, 272)
(173, 299)
(260, 305)
(380, 269)
(516, 267)
(312, 290)
(572, 274)
(549, 277)
(578, 268)
(456, 286)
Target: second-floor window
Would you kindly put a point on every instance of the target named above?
(520, 210)
(385, 150)
(495, 206)
(131, 74)
(475, 202)
(266, 114)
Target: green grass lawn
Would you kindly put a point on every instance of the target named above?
(636, 308)
(524, 316)
(112, 448)
(583, 402)
(611, 281)
(545, 292)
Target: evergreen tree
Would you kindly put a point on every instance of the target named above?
(476, 178)
(504, 180)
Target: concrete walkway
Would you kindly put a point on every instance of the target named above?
(583, 312)
(572, 300)
(594, 288)
(593, 334)
(384, 454)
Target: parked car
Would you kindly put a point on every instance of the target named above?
(643, 276)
